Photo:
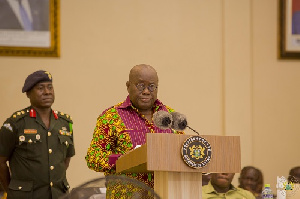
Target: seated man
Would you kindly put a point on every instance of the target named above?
(251, 179)
(220, 187)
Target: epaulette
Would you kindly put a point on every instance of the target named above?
(64, 116)
(20, 114)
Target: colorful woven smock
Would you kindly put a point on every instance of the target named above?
(118, 130)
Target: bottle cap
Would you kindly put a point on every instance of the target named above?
(267, 185)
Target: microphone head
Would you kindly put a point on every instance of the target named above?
(179, 121)
(162, 119)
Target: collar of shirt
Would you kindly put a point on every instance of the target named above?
(127, 103)
(210, 189)
(32, 112)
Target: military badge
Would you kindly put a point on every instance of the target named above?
(49, 75)
(64, 131)
(55, 114)
(196, 152)
(30, 131)
(38, 137)
(22, 138)
(29, 141)
(8, 126)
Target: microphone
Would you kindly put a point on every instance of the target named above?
(179, 122)
(162, 119)
(174, 120)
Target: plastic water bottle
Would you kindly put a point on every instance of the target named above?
(267, 192)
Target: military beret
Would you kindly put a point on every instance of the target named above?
(34, 78)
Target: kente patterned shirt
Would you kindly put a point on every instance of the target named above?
(118, 130)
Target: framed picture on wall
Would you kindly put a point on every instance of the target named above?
(29, 28)
(289, 29)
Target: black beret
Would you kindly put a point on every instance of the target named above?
(34, 78)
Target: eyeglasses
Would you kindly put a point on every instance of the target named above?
(141, 87)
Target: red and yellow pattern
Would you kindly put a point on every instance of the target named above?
(111, 137)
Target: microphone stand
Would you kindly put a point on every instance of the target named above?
(192, 129)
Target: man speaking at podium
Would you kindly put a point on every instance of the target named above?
(122, 127)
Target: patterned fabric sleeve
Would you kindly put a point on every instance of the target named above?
(109, 138)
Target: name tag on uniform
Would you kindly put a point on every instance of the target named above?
(30, 131)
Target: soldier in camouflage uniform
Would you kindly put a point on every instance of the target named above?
(38, 144)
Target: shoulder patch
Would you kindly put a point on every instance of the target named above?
(64, 116)
(20, 114)
(8, 126)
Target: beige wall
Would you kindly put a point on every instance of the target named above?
(216, 62)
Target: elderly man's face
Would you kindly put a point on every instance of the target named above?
(41, 95)
(143, 100)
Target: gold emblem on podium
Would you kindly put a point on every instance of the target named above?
(196, 152)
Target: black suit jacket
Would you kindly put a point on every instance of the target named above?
(39, 13)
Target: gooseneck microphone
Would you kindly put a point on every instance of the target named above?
(162, 119)
(179, 122)
(174, 120)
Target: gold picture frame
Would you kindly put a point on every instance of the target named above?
(35, 43)
(289, 29)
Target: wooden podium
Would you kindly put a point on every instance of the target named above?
(173, 178)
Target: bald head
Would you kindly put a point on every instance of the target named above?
(136, 70)
(142, 87)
